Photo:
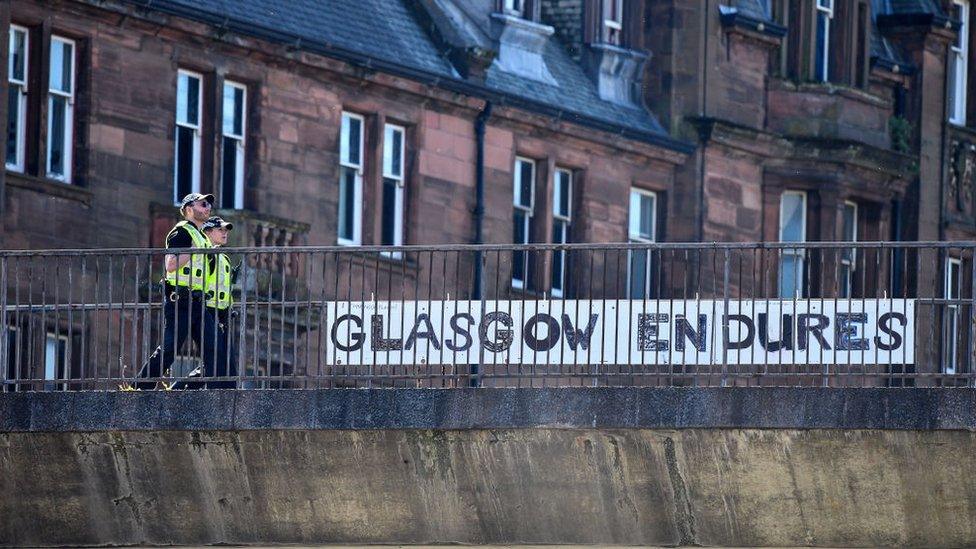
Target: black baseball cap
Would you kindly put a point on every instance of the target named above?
(194, 197)
(216, 221)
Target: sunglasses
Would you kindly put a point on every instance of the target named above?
(204, 203)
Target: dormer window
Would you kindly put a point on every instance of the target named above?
(524, 9)
(513, 7)
(613, 21)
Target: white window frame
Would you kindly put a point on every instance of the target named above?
(69, 96)
(389, 130)
(240, 145)
(195, 160)
(848, 263)
(613, 17)
(825, 7)
(19, 86)
(960, 66)
(513, 7)
(345, 162)
(564, 219)
(634, 236)
(50, 370)
(526, 209)
(799, 253)
(951, 336)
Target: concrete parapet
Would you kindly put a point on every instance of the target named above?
(579, 407)
(606, 466)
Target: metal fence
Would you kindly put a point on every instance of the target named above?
(810, 314)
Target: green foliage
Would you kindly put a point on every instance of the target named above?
(900, 130)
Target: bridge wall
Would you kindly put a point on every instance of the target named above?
(611, 466)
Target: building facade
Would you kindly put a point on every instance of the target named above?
(503, 121)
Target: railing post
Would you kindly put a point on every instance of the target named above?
(4, 350)
(476, 368)
(972, 320)
(725, 317)
(242, 278)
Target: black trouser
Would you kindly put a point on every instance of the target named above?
(184, 313)
(226, 354)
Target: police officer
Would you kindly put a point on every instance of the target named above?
(220, 279)
(184, 285)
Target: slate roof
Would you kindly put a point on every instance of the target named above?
(757, 9)
(881, 48)
(575, 91)
(894, 7)
(386, 30)
(383, 29)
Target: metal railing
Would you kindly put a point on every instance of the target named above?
(797, 314)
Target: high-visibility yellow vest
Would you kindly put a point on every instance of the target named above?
(219, 284)
(193, 274)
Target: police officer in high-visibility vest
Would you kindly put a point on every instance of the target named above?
(220, 280)
(184, 309)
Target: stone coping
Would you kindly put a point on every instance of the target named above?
(559, 408)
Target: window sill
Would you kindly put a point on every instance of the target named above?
(960, 127)
(49, 187)
(830, 88)
(403, 265)
(529, 294)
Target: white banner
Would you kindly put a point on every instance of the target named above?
(692, 332)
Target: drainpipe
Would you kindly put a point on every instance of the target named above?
(694, 277)
(896, 212)
(945, 155)
(702, 113)
(479, 209)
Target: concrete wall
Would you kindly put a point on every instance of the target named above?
(629, 466)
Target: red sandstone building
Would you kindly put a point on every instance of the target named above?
(356, 123)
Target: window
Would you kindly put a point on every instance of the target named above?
(524, 201)
(861, 49)
(392, 221)
(792, 228)
(16, 98)
(60, 108)
(232, 146)
(825, 13)
(513, 7)
(561, 218)
(832, 42)
(55, 360)
(351, 179)
(958, 64)
(643, 220)
(613, 21)
(186, 176)
(951, 337)
(848, 255)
